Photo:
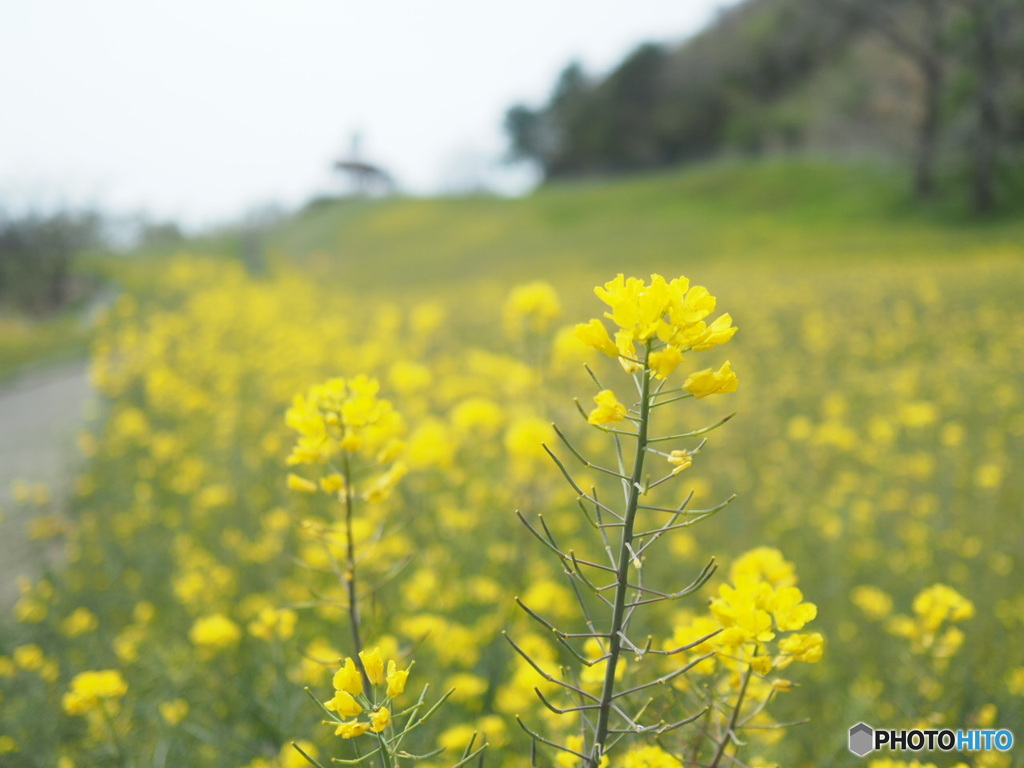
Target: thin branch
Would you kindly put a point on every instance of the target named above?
(557, 711)
(542, 740)
(665, 678)
(550, 678)
(699, 582)
(586, 462)
(694, 433)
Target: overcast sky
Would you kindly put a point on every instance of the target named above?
(200, 109)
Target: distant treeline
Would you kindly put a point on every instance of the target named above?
(939, 82)
(36, 253)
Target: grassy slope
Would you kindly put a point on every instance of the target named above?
(725, 215)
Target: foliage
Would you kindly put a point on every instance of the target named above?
(923, 79)
(36, 254)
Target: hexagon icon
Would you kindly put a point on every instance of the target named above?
(862, 739)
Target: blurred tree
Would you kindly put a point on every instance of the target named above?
(918, 30)
(988, 43)
(36, 253)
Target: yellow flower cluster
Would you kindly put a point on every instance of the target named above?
(760, 604)
(670, 312)
(750, 613)
(90, 690)
(350, 699)
(341, 419)
(933, 608)
(531, 307)
(215, 632)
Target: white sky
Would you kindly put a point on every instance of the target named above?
(199, 109)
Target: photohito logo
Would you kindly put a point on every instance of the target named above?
(864, 739)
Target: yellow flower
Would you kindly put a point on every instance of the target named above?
(762, 564)
(534, 304)
(649, 757)
(332, 483)
(523, 440)
(173, 712)
(717, 333)
(638, 308)
(341, 415)
(742, 611)
(664, 361)
(373, 663)
(380, 720)
(875, 603)
(396, 679)
(215, 631)
(708, 382)
(595, 335)
(272, 622)
(289, 757)
(803, 647)
(29, 657)
(1015, 681)
(627, 351)
(344, 704)
(790, 613)
(680, 460)
(301, 484)
(939, 603)
(609, 410)
(88, 689)
(351, 729)
(348, 678)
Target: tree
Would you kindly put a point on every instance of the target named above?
(917, 29)
(987, 54)
(36, 254)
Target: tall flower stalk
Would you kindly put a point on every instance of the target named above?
(658, 323)
(346, 429)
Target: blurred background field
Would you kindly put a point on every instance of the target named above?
(877, 444)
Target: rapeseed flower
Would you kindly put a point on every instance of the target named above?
(380, 719)
(348, 678)
(373, 663)
(709, 382)
(609, 410)
(532, 306)
(344, 704)
(351, 729)
(90, 690)
(215, 631)
(649, 757)
(396, 679)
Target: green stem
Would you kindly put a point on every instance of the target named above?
(353, 605)
(732, 721)
(385, 754)
(622, 573)
(112, 730)
(350, 575)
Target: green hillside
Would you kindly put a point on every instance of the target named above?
(773, 213)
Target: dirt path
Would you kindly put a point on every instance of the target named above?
(40, 414)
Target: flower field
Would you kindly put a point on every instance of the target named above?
(300, 484)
